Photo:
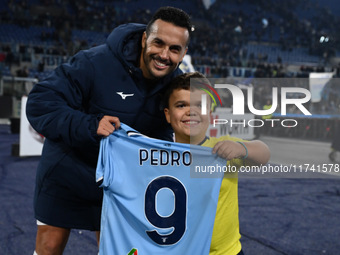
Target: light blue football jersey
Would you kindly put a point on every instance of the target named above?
(151, 205)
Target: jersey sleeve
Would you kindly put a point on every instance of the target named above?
(57, 106)
(109, 165)
(104, 164)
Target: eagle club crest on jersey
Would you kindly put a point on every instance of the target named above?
(124, 95)
(150, 201)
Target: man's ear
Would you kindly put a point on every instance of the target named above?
(185, 52)
(143, 40)
(167, 115)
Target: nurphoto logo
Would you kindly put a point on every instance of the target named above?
(238, 104)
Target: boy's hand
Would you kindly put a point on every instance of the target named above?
(229, 150)
(106, 127)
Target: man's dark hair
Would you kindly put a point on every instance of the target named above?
(187, 81)
(172, 15)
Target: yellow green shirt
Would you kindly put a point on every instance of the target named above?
(267, 107)
(226, 233)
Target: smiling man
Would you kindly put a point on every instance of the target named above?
(86, 99)
(164, 46)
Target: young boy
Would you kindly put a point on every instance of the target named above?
(182, 103)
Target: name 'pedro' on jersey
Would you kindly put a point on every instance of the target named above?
(151, 205)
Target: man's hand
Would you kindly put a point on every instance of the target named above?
(106, 127)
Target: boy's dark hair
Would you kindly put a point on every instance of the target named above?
(172, 15)
(183, 82)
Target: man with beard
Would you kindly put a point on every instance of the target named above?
(85, 100)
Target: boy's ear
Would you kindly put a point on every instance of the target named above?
(167, 115)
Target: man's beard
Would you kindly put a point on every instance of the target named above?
(147, 59)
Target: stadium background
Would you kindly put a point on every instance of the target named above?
(233, 38)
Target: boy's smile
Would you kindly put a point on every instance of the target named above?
(184, 115)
